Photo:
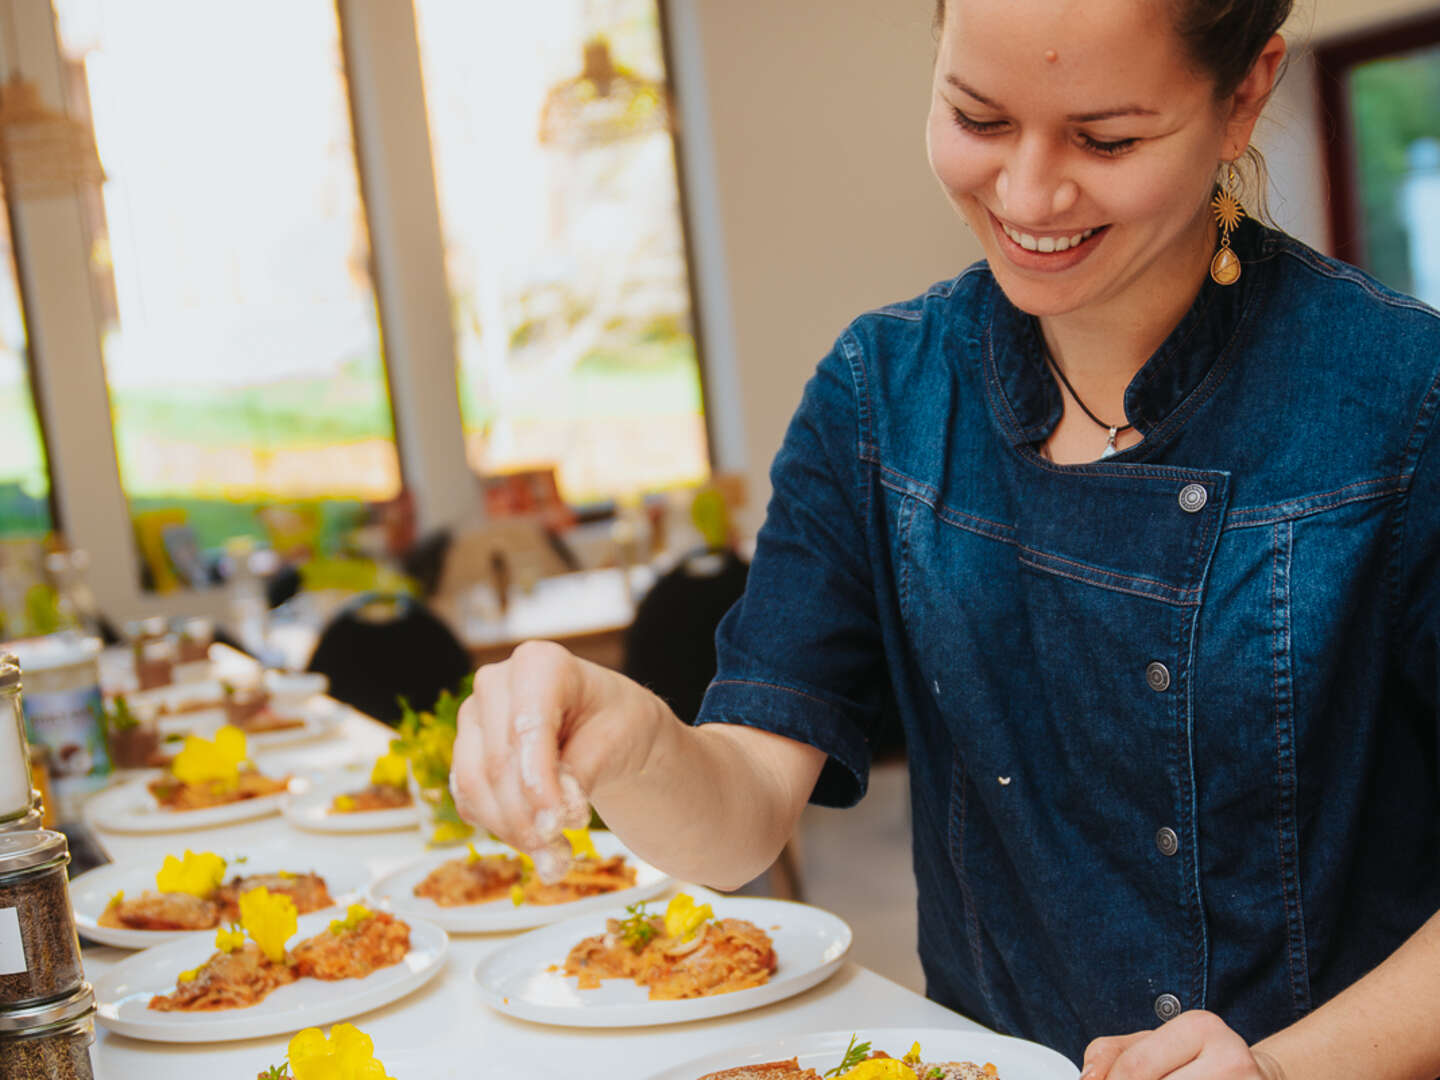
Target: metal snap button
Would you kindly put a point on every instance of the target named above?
(1193, 498)
(1167, 1007)
(1167, 841)
(1157, 676)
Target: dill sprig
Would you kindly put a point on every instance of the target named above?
(855, 1053)
(635, 930)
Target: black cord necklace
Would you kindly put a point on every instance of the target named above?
(1113, 429)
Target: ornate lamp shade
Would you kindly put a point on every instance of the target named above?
(604, 104)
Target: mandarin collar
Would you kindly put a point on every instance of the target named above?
(1015, 354)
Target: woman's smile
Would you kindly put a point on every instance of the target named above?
(1049, 251)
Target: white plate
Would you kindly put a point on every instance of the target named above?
(90, 892)
(1015, 1059)
(809, 945)
(309, 807)
(123, 993)
(320, 715)
(130, 808)
(396, 890)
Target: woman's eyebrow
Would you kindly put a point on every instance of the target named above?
(1074, 118)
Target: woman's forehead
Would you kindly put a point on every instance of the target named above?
(1082, 51)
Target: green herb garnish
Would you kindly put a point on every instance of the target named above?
(937, 1073)
(116, 719)
(636, 931)
(276, 1072)
(854, 1055)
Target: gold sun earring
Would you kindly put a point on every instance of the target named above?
(1225, 267)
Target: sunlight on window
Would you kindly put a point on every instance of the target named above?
(241, 346)
(565, 251)
(24, 476)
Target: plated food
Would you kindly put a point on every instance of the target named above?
(208, 773)
(686, 953)
(388, 789)
(487, 887)
(934, 1054)
(526, 976)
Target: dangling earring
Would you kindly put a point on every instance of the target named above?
(1225, 267)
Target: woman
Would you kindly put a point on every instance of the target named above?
(1144, 558)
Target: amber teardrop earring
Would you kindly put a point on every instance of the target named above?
(1225, 266)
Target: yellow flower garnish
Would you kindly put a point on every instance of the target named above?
(447, 832)
(355, 914)
(117, 899)
(270, 919)
(187, 976)
(348, 1054)
(389, 770)
(683, 918)
(517, 894)
(198, 874)
(344, 803)
(203, 761)
(581, 846)
(912, 1056)
(231, 940)
(880, 1069)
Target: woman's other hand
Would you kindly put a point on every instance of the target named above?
(1196, 1045)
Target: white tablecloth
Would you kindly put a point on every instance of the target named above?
(443, 1029)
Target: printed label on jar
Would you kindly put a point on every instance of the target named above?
(65, 721)
(12, 947)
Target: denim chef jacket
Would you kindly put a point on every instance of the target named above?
(1170, 716)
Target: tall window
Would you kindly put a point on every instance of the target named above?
(1382, 101)
(558, 190)
(24, 474)
(242, 346)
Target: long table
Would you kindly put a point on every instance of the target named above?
(444, 1029)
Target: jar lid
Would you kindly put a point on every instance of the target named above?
(22, 850)
(67, 1010)
(55, 651)
(9, 671)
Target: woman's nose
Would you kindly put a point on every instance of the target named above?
(1032, 188)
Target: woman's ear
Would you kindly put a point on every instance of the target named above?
(1251, 95)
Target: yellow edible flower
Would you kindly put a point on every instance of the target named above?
(912, 1056)
(683, 918)
(270, 919)
(198, 874)
(517, 894)
(219, 761)
(117, 899)
(581, 846)
(389, 770)
(187, 976)
(447, 832)
(231, 940)
(881, 1069)
(348, 1054)
(355, 914)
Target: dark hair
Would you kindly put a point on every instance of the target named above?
(1223, 37)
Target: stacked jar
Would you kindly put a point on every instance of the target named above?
(46, 1006)
(18, 799)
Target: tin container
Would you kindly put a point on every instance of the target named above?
(16, 792)
(39, 949)
(61, 708)
(50, 1040)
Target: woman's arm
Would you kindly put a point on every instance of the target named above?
(1384, 1027)
(713, 804)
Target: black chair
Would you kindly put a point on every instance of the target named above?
(378, 649)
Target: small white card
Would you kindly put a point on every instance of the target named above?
(12, 948)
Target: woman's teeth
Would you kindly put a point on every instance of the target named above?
(1047, 244)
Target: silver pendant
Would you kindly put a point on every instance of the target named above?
(1110, 448)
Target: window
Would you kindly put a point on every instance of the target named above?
(231, 252)
(1381, 96)
(565, 250)
(24, 475)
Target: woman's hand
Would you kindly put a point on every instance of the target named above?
(541, 734)
(1196, 1045)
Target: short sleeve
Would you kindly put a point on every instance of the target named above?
(800, 654)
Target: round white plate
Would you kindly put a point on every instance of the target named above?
(396, 890)
(809, 945)
(320, 715)
(123, 993)
(90, 892)
(309, 807)
(1015, 1059)
(130, 808)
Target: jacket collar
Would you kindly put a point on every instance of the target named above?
(1031, 403)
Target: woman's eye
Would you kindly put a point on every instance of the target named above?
(977, 127)
(1118, 146)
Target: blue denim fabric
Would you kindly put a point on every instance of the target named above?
(921, 559)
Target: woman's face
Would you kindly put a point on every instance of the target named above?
(1079, 144)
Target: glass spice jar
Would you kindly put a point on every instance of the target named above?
(39, 948)
(51, 1039)
(15, 783)
(34, 818)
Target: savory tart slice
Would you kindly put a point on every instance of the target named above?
(228, 980)
(351, 948)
